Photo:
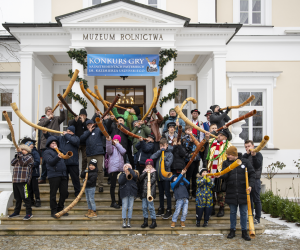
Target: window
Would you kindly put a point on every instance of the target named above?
(94, 2)
(152, 3)
(180, 98)
(251, 11)
(5, 99)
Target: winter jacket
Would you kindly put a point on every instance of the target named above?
(22, 168)
(236, 181)
(80, 127)
(167, 136)
(155, 124)
(173, 119)
(92, 177)
(219, 118)
(116, 160)
(36, 164)
(113, 130)
(204, 193)
(94, 142)
(56, 166)
(257, 163)
(178, 157)
(129, 118)
(156, 157)
(144, 183)
(190, 148)
(206, 126)
(69, 143)
(142, 131)
(180, 187)
(145, 150)
(54, 124)
(105, 124)
(128, 187)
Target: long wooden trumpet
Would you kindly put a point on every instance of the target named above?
(65, 157)
(19, 114)
(261, 145)
(232, 166)
(250, 215)
(149, 196)
(73, 79)
(12, 132)
(250, 99)
(117, 106)
(198, 148)
(68, 208)
(66, 104)
(187, 121)
(162, 167)
(179, 133)
(100, 125)
(158, 94)
(126, 132)
(184, 103)
(152, 104)
(112, 105)
(88, 97)
(243, 117)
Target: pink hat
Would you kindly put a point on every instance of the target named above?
(117, 137)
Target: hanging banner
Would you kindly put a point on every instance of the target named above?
(122, 65)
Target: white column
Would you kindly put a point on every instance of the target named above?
(76, 106)
(90, 108)
(219, 78)
(157, 79)
(46, 93)
(27, 97)
(202, 93)
(169, 88)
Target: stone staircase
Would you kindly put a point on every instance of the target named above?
(109, 219)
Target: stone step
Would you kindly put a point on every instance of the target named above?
(113, 229)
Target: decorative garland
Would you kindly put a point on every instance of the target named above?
(208, 155)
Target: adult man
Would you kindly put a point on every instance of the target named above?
(256, 160)
(172, 118)
(219, 117)
(80, 127)
(206, 124)
(171, 133)
(214, 156)
(195, 114)
(52, 122)
(129, 116)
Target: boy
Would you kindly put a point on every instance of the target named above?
(171, 134)
(204, 200)
(145, 150)
(179, 186)
(163, 182)
(22, 172)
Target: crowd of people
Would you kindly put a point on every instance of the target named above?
(130, 161)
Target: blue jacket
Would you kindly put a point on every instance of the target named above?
(156, 157)
(94, 142)
(180, 187)
(145, 150)
(128, 187)
(69, 143)
(206, 126)
(56, 166)
(173, 119)
(36, 164)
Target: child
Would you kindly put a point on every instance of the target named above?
(145, 150)
(91, 188)
(163, 182)
(178, 160)
(22, 172)
(179, 186)
(148, 204)
(128, 191)
(204, 200)
(115, 152)
(171, 134)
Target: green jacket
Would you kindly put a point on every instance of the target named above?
(127, 116)
(143, 131)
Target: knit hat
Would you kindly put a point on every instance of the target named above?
(171, 124)
(29, 143)
(93, 162)
(47, 108)
(137, 110)
(225, 132)
(208, 112)
(71, 128)
(25, 147)
(232, 151)
(213, 107)
(117, 137)
(149, 162)
(202, 170)
(126, 164)
(89, 122)
(172, 109)
(82, 112)
(26, 139)
(152, 136)
(120, 117)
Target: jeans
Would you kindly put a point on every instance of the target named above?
(164, 188)
(184, 204)
(201, 210)
(243, 213)
(148, 205)
(90, 198)
(127, 204)
(255, 198)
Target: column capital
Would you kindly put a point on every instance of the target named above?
(218, 54)
(46, 76)
(27, 54)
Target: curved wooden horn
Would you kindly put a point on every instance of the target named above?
(162, 167)
(250, 215)
(187, 121)
(112, 105)
(152, 104)
(100, 125)
(158, 94)
(73, 79)
(232, 166)
(184, 103)
(261, 145)
(19, 114)
(65, 157)
(12, 132)
(63, 101)
(88, 97)
(250, 99)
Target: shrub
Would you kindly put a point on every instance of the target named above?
(274, 206)
(290, 211)
(281, 206)
(265, 200)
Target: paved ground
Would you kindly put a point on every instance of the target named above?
(265, 241)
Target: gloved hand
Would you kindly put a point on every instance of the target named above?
(148, 118)
(154, 110)
(228, 110)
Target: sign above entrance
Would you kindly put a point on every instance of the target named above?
(122, 65)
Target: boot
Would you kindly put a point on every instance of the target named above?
(213, 212)
(168, 214)
(231, 234)
(198, 223)
(205, 224)
(93, 214)
(88, 213)
(221, 212)
(115, 205)
(145, 224)
(42, 181)
(245, 235)
(173, 224)
(124, 223)
(128, 223)
(182, 224)
(160, 212)
(37, 203)
(153, 225)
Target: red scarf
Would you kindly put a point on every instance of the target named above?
(215, 162)
(195, 131)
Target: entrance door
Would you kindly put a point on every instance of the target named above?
(184, 92)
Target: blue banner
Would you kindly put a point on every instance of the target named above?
(122, 65)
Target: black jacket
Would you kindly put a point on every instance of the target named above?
(144, 181)
(219, 118)
(178, 157)
(257, 163)
(145, 150)
(92, 177)
(113, 130)
(236, 181)
(36, 164)
(180, 187)
(80, 127)
(128, 187)
(105, 122)
(94, 142)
